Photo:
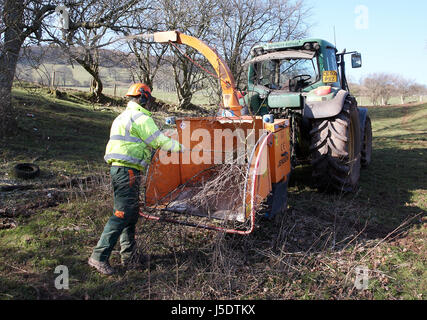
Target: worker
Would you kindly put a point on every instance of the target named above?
(128, 152)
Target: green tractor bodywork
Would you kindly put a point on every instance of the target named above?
(305, 80)
(260, 82)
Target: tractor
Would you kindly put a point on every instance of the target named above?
(305, 81)
(297, 107)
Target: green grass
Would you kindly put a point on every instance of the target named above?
(310, 253)
(65, 135)
(396, 100)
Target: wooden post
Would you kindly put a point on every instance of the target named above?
(115, 89)
(52, 81)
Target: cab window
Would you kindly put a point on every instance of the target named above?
(330, 62)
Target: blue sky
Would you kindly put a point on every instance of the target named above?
(391, 35)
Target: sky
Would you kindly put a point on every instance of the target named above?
(391, 35)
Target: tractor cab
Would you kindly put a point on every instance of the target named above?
(288, 74)
(288, 71)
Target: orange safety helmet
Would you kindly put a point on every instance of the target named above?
(137, 89)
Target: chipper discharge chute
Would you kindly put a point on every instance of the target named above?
(231, 169)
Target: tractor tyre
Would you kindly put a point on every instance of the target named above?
(367, 144)
(335, 150)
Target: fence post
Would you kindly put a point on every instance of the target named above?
(52, 81)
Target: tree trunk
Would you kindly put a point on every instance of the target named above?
(185, 102)
(12, 13)
(185, 95)
(96, 85)
(7, 122)
(96, 88)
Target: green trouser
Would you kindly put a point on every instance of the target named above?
(122, 223)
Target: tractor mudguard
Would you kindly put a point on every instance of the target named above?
(325, 109)
(363, 113)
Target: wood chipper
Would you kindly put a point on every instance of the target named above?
(233, 166)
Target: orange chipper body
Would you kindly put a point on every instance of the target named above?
(172, 176)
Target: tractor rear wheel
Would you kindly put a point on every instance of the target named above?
(335, 150)
(367, 144)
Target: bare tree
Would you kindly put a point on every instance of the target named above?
(403, 87)
(65, 75)
(356, 88)
(20, 19)
(163, 80)
(235, 26)
(146, 58)
(244, 23)
(419, 90)
(197, 22)
(33, 58)
(146, 61)
(93, 25)
(380, 87)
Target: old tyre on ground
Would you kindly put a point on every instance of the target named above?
(335, 150)
(367, 144)
(26, 170)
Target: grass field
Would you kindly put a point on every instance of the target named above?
(311, 252)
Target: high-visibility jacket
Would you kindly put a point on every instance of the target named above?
(132, 135)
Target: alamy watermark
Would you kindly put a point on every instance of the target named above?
(64, 19)
(62, 281)
(362, 17)
(216, 146)
(362, 278)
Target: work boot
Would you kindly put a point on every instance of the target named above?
(102, 267)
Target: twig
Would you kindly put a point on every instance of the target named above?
(389, 235)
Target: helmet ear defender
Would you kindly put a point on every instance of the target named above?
(145, 96)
